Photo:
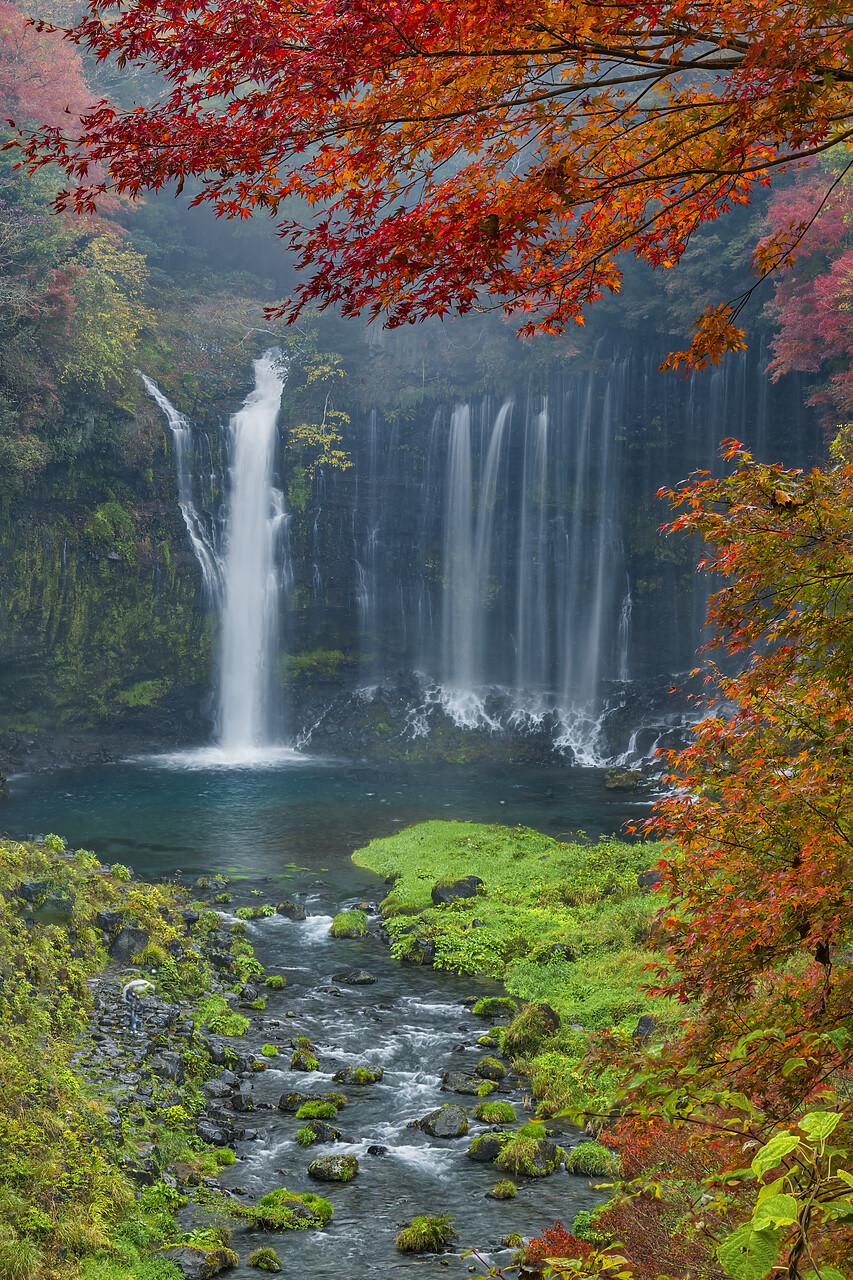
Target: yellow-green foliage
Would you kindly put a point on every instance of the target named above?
(283, 1210)
(426, 1234)
(67, 1208)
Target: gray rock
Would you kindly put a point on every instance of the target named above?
(467, 887)
(486, 1149)
(168, 1065)
(33, 890)
(461, 1082)
(355, 978)
(128, 942)
(364, 1074)
(292, 910)
(291, 1102)
(645, 1029)
(109, 921)
(212, 1133)
(449, 1121)
(325, 1132)
(334, 1168)
(198, 1264)
(215, 1089)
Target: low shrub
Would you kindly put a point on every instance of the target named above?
(594, 1160)
(428, 1234)
(504, 1190)
(495, 1112)
(283, 1210)
(275, 982)
(265, 1259)
(305, 1136)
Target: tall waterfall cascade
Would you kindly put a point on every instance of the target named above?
(492, 564)
(241, 555)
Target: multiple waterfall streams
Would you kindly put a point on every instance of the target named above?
(494, 565)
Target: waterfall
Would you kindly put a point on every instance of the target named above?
(200, 538)
(239, 568)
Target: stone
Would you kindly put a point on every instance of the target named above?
(342, 1168)
(355, 978)
(190, 917)
(461, 1082)
(449, 1121)
(364, 1074)
(645, 1029)
(33, 890)
(490, 1069)
(376, 1149)
(467, 887)
(485, 1150)
(292, 910)
(168, 1065)
(109, 921)
(325, 1132)
(128, 942)
(421, 952)
(293, 1101)
(212, 1134)
(215, 1089)
(199, 1264)
(648, 879)
(564, 952)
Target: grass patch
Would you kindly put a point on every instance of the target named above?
(495, 1112)
(317, 1111)
(564, 926)
(283, 1210)
(349, 924)
(594, 1160)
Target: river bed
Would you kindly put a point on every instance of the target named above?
(289, 829)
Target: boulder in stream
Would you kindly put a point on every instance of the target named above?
(363, 1074)
(488, 1147)
(355, 978)
(292, 910)
(342, 1168)
(462, 1082)
(449, 1121)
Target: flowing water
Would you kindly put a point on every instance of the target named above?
(289, 829)
(241, 559)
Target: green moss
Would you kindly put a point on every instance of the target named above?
(317, 1111)
(490, 1069)
(494, 1007)
(305, 1136)
(275, 982)
(269, 1050)
(426, 1234)
(283, 1210)
(593, 1159)
(495, 1112)
(265, 1259)
(218, 1017)
(504, 1190)
(337, 1100)
(528, 1156)
(349, 924)
(302, 1061)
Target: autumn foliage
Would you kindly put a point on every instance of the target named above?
(445, 155)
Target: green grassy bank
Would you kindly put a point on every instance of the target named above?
(565, 925)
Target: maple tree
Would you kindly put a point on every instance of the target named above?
(424, 156)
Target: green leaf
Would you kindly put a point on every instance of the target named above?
(775, 1211)
(826, 1273)
(748, 1254)
(793, 1064)
(772, 1152)
(819, 1124)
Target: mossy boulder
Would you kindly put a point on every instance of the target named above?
(303, 1061)
(529, 1157)
(449, 1121)
(336, 1168)
(283, 1210)
(462, 1082)
(487, 1148)
(199, 1264)
(495, 1112)
(427, 1234)
(494, 1007)
(317, 1111)
(490, 1069)
(265, 1259)
(447, 891)
(364, 1074)
(503, 1190)
(349, 924)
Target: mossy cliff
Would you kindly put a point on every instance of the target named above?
(566, 927)
(105, 643)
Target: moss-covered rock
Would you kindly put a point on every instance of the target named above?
(490, 1069)
(426, 1234)
(529, 1157)
(449, 1121)
(335, 1168)
(364, 1074)
(283, 1210)
(503, 1190)
(495, 1112)
(592, 1159)
(349, 924)
(265, 1259)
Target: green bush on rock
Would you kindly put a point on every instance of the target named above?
(592, 1159)
(494, 1007)
(528, 1156)
(426, 1234)
(349, 924)
(283, 1210)
(265, 1259)
(495, 1112)
(305, 1136)
(317, 1111)
(503, 1190)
